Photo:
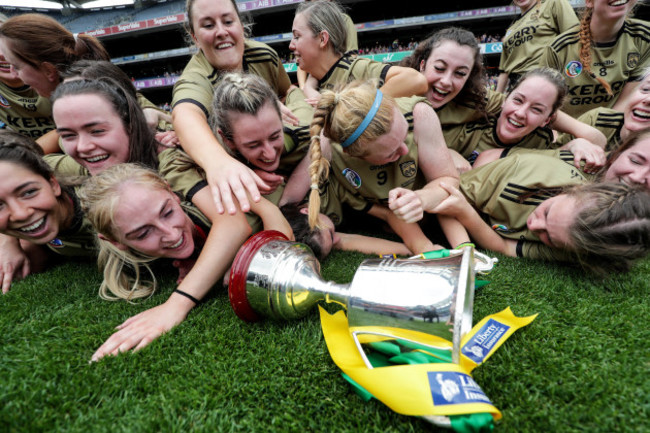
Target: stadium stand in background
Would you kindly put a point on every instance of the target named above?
(149, 43)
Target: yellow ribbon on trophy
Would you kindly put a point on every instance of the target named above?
(488, 335)
(425, 389)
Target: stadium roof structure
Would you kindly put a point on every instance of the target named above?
(73, 4)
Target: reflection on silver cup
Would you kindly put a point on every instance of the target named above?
(276, 278)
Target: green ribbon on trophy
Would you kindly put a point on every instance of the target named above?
(413, 375)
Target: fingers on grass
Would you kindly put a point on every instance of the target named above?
(6, 282)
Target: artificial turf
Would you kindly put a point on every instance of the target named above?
(582, 365)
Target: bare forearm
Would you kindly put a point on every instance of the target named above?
(454, 231)
(410, 233)
(502, 82)
(565, 123)
(49, 142)
(432, 194)
(483, 234)
(370, 245)
(217, 254)
(298, 183)
(196, 137)
(404, 82)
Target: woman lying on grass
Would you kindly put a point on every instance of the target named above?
(376, 143)
(246, 117)
(38, 215)
(537, 206)
(132, 233)
(101, 126)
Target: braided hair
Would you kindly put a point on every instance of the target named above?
(585, 48)
(337, 116)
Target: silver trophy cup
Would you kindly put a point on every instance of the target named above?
(276, 278)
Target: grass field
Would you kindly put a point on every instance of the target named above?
(582, 365)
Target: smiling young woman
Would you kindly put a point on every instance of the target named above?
(320, 42)
(536, 206)
(37, 213)
(522, 121)
(376, 143)
(217, 29)
(246, 117)
(133, 232)
(39, 49)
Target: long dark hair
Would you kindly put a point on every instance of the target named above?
(142, 142)
(474, 92)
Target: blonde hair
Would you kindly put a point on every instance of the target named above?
(585, 48)
(239, 93)
(123, 268)
(337, 116)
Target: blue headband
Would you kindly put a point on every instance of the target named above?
(366, 121)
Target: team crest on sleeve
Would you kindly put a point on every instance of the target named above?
(352, 177)
(573, 69)
(4, 103)
(408, 168)
(633, 59)
(500, 228)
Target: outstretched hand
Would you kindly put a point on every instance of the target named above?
(14, 265)
(141, 329)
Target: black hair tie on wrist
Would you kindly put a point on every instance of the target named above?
(188, 296)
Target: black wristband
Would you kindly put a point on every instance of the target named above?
(187, 295)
